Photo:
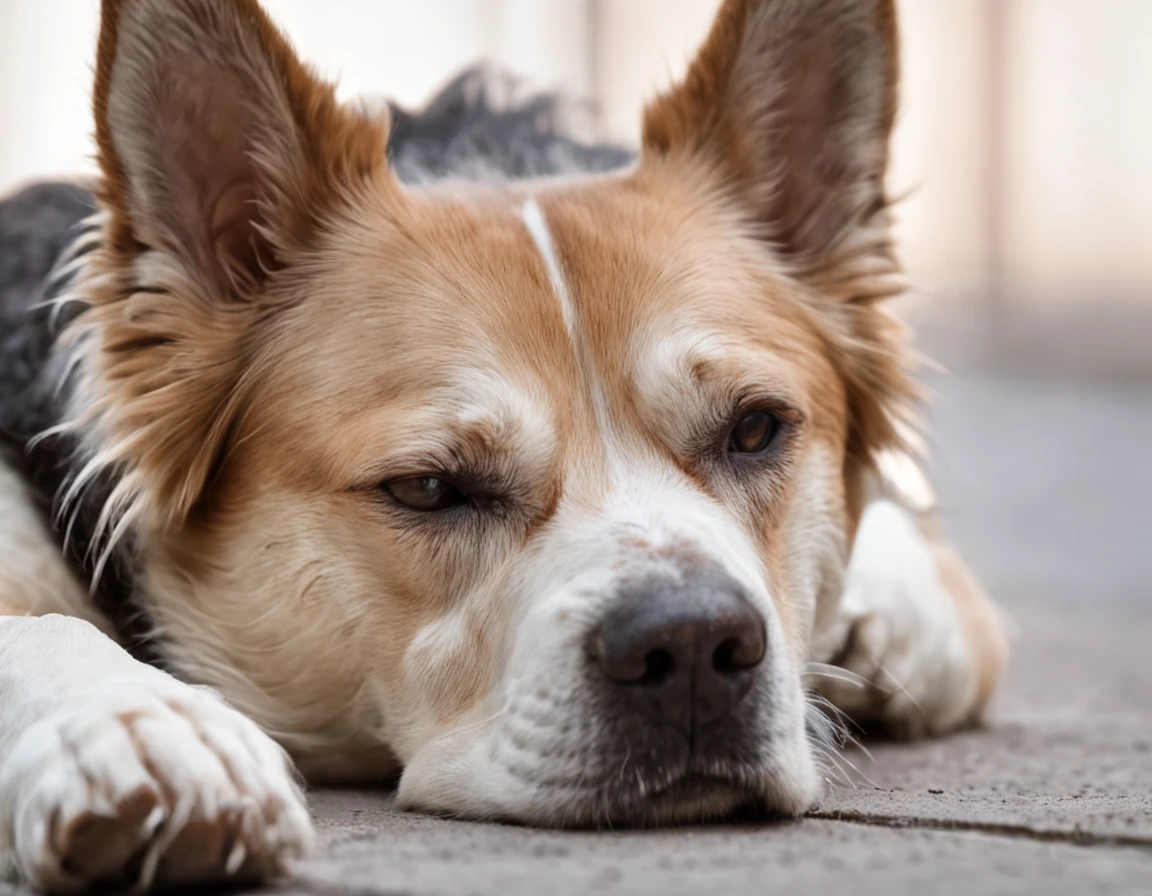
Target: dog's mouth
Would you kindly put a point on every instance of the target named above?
(691, 798)
(716, 779)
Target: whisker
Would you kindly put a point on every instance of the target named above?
(856, 681)
(901, 688)
(843, 774)
(856, 769)
(843, 720)
(818, 669)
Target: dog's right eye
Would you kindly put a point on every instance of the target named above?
(753, 433)
(425, 493)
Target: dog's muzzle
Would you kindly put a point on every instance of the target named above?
(677, 669)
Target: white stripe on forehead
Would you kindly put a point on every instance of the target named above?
(537, 227)
(533, 219)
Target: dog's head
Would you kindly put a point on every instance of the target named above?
(537, 490)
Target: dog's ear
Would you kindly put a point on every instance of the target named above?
(222, 156)
(216, 144)
(788, 108)
(792, 102)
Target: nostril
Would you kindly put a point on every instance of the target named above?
(733, 655)
(724, 656)
(658, 667)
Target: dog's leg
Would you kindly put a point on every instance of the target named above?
(920, 640)
(112, 770)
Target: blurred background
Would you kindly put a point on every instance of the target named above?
(1024, 146)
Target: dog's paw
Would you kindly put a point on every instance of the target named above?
(898, 640)
(153, 784)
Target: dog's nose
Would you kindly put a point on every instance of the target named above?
(682, 653)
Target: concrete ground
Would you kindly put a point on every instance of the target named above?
(1047, 489)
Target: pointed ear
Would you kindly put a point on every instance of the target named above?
(216, 144)
(222, 158)
(791, 102)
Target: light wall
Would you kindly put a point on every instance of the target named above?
(1078, 202)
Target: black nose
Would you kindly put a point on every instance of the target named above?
(683, 653)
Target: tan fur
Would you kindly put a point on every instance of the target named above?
(982, 626)
(34, 579)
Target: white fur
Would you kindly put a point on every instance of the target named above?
(903, 479)
(902, 629)
(512, 409)
(100, 742)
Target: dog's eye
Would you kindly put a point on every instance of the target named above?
(753, 433)
(425, 493)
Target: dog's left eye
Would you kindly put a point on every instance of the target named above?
(753, 433)
(425, 493)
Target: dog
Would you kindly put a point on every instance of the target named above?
(568, 486)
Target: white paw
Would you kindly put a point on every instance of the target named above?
(142, 783)
(897, 633)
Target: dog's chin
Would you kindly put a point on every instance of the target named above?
(693, 798)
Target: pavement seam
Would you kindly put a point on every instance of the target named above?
(1075, 837)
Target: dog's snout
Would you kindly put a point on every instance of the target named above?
(684, 653)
